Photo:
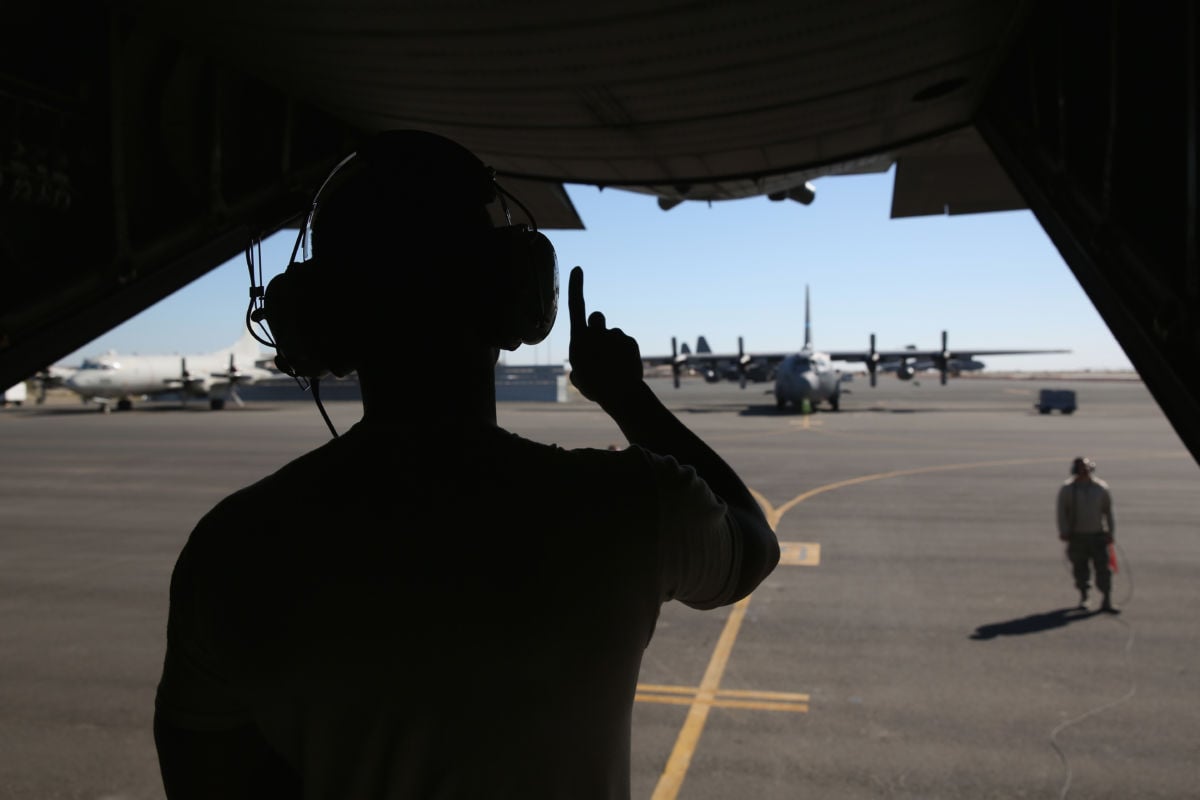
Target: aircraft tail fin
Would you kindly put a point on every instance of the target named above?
(246, 349)
(683, 348)
(702, 345)
(807, 322)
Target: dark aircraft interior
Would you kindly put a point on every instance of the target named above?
(145, 143)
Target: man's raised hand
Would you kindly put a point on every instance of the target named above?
(605, 363)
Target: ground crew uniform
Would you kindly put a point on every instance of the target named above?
(1085, 521)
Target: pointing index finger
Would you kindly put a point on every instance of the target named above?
(575, 300)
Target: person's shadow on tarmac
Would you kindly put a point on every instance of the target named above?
(1034, 623)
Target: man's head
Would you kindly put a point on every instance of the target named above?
(404, 252)
(406, 198)
(1082, 467)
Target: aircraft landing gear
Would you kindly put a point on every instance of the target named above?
(216, 403)
(834, 400)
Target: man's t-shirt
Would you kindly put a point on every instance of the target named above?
(458, 621)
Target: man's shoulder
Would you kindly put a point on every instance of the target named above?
(632, 465)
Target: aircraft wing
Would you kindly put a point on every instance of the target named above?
(899, 355)
(715, 358)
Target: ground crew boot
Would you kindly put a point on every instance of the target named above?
(1082, 598)
(1107, 605)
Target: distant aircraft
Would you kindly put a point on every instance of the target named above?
(713, 371)
(113, 378)
(807, 377)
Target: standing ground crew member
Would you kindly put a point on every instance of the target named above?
(1085, 523)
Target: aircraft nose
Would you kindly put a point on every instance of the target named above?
(804, 383)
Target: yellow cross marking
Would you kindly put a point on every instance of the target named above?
(722, 698)
(799, 554)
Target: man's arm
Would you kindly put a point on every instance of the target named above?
(207, 743)
(606, 367)
(1064, 514)
(1107, 510)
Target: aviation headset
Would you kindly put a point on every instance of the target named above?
(1080, 464)
(514, 265)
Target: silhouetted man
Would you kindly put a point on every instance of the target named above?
(428, 605)
(1086, 524)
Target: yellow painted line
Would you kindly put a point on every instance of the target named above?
(654, 688)
(763, 695)
(775, 514)
(680, 759)
(663, 688)
(752, 705)
(798, 708)
(768, 509)
(799, 554)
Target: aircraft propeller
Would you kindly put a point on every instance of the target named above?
(872, 360)
(676, 361)
(185, 378)
(234, 376)
(943, 361)
(743, 363)
(45, 380)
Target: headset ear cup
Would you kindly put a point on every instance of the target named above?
(304, 320)
(525, 300)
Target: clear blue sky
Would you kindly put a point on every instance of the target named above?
(739, 267)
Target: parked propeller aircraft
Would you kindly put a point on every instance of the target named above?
(724, 367)
(113, 378)
(807, 377)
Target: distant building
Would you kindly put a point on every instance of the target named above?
(531, 384)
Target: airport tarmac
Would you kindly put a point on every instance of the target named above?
(920, 640)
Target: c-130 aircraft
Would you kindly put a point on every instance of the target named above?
(807, 377)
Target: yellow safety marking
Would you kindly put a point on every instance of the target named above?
(768, 509)
(722, 698)
(752, 705)
(799, 554)
(806, 422)
(764, 695)
(680, 759)
(775, 514)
